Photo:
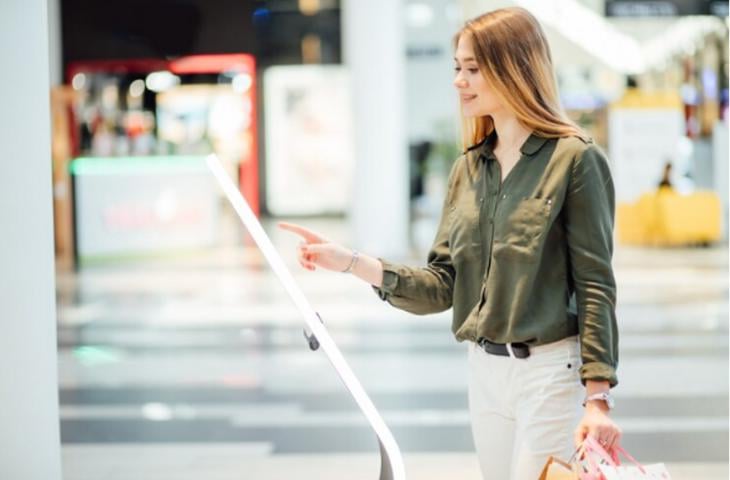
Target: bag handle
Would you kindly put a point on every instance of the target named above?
(620, 449)
(612, 458)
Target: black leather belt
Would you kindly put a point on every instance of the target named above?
(519, 350)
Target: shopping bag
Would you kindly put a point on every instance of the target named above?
(656, 471)
(556, 469)
(589, 459)
(600, 465)
(637, 471)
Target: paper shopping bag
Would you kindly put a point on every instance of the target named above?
(556, 469)
(609, 467)
(655, 471)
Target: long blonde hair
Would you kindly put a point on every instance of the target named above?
(512, 53)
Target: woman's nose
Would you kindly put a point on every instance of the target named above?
(459, 80)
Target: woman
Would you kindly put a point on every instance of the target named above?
(522, 254)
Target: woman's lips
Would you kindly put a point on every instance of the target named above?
(467, 98)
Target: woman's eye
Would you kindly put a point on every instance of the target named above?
(472, 71)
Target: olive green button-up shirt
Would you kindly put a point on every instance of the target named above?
(524, 260)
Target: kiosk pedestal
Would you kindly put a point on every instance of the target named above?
(391, 461)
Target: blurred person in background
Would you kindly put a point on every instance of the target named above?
(522, 254)
(666, 181)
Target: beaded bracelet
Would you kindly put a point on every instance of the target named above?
(353, 262)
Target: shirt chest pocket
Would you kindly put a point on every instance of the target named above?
(464, 240)
(523, 228)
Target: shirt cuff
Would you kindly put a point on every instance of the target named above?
(390, 280)
(599, 372)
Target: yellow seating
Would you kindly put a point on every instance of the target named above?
(667, 218)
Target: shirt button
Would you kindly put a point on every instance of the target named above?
(504, 196)
(481, 199)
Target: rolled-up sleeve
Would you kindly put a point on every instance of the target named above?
(422, 290)
(589, 218)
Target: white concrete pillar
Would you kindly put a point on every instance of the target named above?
(374, 50)
(29, 425)
(55, 51)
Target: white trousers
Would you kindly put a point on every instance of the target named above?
(523, 411)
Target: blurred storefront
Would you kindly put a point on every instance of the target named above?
(673, 120)
(139, 131)
(144, 101)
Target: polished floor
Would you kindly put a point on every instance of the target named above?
(196, 367)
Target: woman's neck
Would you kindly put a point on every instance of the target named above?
(511, 134)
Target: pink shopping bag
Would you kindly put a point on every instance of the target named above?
(589, 458)
(598, 464)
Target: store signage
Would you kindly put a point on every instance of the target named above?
(143, 205)
(665, 8)
(424, 51)
(309, 140)
(642, 141)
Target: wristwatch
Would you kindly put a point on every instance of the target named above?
(605, 396)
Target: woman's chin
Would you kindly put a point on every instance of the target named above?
(467, 114)
(473, 112)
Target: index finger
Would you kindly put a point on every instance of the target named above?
(299, 230)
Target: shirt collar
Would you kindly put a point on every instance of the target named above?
(485, 149)
(533, 144)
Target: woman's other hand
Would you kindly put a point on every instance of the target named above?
(596, 423)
